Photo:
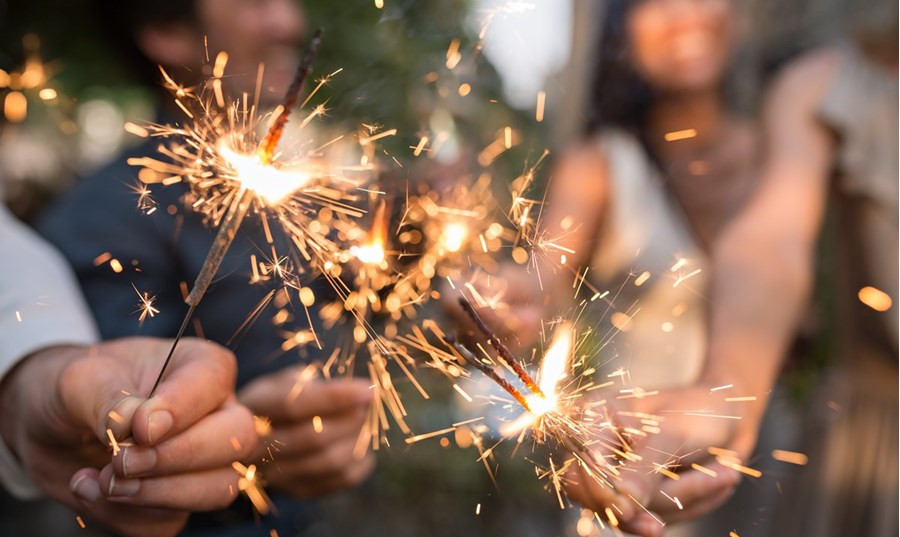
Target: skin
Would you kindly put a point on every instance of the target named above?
(763, 278)
(270, 32)
(310, 464)
(681, 48)
(184, 432)
(252, 32)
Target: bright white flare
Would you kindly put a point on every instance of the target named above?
(554, 368)
(371, 254)
(271, 183)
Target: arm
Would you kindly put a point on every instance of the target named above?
(763, 276)
(762, 279)
(764, 260)
(40, 307)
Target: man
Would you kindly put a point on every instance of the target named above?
(162, 251)
(65, 399)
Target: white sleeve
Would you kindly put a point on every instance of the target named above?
(40, 307)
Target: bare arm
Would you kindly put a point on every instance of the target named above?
(764, 260)
(577, 196)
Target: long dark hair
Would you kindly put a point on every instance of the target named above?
(618, 96)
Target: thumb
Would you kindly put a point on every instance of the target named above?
(200, 378)
(99, 393)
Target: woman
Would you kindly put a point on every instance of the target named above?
(664, 163)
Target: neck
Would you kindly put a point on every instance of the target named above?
(702, 111)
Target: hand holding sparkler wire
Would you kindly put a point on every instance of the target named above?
(180, 446)
(243, 197)
(701, 425)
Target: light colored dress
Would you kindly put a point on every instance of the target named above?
(646, 257)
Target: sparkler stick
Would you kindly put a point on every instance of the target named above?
(232, 220)
(502, 351)
(490, 373)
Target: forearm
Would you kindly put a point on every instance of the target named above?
(760, 289)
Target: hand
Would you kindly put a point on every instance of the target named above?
(684, 439)
(515, 306)
(309, 463)
(59, 403)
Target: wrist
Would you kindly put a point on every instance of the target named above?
(29, 395)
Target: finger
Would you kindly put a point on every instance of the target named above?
(280, 397)
(309, 435)
(98, 393)
(331, 460)
(587, 491)
(216, 440)
(644, 525)
(200, 378)
(123, 520)
(697, 492)
(351, 477)
(207, 490)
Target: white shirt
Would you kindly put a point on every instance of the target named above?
(40, 307)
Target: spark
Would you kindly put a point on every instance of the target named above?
(146, 305)
(684, 134)
(250, 484)
(790, 457)
(539, 110)
(876, 299)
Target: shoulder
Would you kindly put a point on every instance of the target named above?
(804, 80)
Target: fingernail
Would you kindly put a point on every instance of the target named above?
(137, 460)
(158, 424)
(85, 488)
(123, 487)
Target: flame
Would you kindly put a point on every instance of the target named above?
(372, 253)
(554, 368)
(273, 184)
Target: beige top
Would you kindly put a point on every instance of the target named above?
(662, 317)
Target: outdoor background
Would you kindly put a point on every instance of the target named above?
(427, 488)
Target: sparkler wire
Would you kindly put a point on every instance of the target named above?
(502, 351)
(232, 220)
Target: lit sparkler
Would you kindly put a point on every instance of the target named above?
(233, 173)
(556, 407)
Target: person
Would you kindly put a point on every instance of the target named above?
(830, 174)
(165, 249)
(65, 397)
(830, 139)
(665, 163)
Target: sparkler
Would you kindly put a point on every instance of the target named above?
(554, 408)
(258, 178)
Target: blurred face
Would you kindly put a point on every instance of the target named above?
(681, 45)
(254, 32)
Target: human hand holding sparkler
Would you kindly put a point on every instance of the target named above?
(694, 463)
(315, 430)
(184, 438)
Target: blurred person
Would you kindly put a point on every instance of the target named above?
(63, 395)
(163, 250)
(831, 173)
(664, 164)
(830, 138)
